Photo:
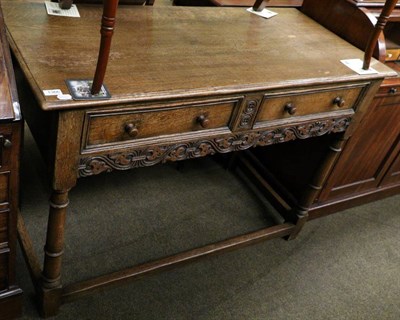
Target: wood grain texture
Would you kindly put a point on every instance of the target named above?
(369, 167)
(347, 21)
(8, 93)
(106, 31)
(174, 45)
(185, 83)
(10, 142)
(377, 31)
(238, 3)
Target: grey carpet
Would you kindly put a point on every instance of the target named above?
(344, 266)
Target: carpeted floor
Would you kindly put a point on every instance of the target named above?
(344, 266)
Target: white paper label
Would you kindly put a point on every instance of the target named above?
(54, 9)
(52, 92)
(356, 65)
(64, 97)
(264, 13)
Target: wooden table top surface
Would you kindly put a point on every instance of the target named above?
(175, 52)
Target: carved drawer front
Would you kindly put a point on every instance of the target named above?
(104, 128)
(390, 94)
(295, 104)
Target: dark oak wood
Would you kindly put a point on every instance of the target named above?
(66, 4)
(259, 5)
(164, 87)
(347, 21)
(10, 142)
(380, 25)
(74, 291)
(106, 31)
(368, 167)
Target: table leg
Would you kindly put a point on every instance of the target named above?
(50, 285)
(315, 186)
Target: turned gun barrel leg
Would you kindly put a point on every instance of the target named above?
(316, 185)
(51, 287)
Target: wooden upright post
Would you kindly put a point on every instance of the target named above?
(106, 31)
(380, 25)
(259, 5)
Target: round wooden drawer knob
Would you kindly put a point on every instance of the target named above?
(203, 121)
(131, 130)
(290, 108)
(340, 102)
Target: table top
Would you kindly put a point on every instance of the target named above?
(175, 52)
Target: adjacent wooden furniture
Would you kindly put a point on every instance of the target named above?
(185, 83)
(10, 142)
(369, 166)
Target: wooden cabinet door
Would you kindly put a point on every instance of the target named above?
(365, 157)
(392, 176)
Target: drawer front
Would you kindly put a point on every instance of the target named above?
(297, 104)
(389, 94)
(114, 127)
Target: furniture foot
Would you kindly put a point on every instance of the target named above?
(50, 291)
(49, 301)
(302, 217)
(314, 188)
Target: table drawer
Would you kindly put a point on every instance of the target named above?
(302, 103)
(133, 125)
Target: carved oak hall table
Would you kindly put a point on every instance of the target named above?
(185, 83)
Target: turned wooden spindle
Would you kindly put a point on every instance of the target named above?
(106, 31)
(259, 5)
(65, 4)
(380, 25)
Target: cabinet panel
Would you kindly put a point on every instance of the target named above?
(363, 161)
(4, 187)
(3, 270)
(393, 174)
(3, 227)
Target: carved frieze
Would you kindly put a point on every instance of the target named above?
(152, 155)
